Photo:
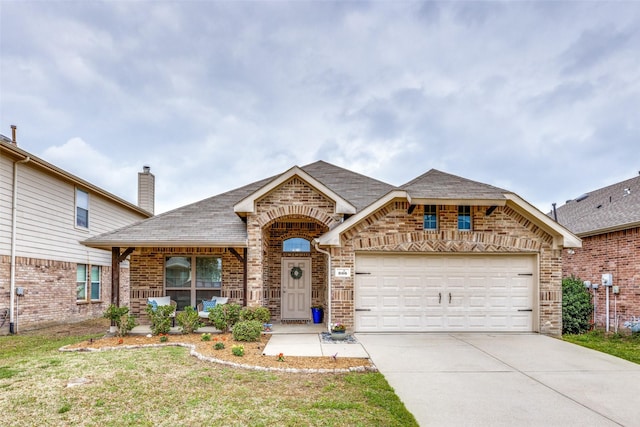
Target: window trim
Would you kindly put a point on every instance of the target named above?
(80, 190)
(193, 288)
(295, 251)
(465, 208)
(424, 215)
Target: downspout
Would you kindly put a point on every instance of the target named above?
(14, 217)
(322, 251)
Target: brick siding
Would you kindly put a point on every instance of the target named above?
(50, 293)
(617, 253)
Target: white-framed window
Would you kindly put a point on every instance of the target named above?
(82, 208)
(95, 282)
(88, 282)
(464, 217)
(187, 288)
(430, 217)
(296, 244)
(81, 282)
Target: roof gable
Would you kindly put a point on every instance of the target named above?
(611, 208)
(248, 204)
(451, 189)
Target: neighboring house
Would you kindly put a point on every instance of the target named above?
(608, 222)
(440, 253)
(45, 213)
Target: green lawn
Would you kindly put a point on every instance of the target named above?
(623, 346)
(166, 386)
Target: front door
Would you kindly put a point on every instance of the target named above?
(296, 288)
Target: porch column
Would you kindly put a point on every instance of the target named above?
(254, 263)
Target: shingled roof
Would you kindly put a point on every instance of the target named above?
(435, 184)
(611, 208)
(213, 222)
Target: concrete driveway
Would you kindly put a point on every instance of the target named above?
(506, 380)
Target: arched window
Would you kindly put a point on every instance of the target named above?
(296, 244)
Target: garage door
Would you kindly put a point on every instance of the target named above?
(422, 293)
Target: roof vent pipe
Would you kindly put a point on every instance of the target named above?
(555, 213)
(13, 134)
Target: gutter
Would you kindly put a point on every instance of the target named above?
(14, 217)
(322, 251)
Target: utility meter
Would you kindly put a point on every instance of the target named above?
(607, 280)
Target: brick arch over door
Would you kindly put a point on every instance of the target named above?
(300, 211)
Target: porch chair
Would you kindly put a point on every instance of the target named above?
(160, 301)
(205, 305)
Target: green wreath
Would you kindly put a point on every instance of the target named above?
(296, 272)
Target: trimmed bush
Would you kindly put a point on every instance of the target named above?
(577, 307)
(160, 318)
(224, 316)
(248, 330)
(261, 314)
(188, 320)
(120, 316)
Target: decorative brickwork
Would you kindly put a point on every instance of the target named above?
(392, 228)
(50, 293)
(617, 253)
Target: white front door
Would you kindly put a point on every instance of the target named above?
(296, 288)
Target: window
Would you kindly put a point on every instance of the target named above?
(95, 282)
(464, 217)
(188, 289)
(296, 244)
(81, 282)
(430, 217)
(88, 280)
(82, 208)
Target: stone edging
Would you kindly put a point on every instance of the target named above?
(193, 352)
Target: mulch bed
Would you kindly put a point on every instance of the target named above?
(253, 353)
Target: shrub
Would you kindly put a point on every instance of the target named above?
(261, 314)
(577, 307)
(188, 320)
(160, 318)
(120, 317)
(224, 316)
(248, 330)
(206, 336)
(237, 350)
(218, 346)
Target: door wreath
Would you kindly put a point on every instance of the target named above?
(296, 272)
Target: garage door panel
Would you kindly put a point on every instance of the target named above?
(411, 293)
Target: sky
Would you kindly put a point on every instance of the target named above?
(539, 98)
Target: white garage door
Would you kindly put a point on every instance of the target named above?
(425, 293)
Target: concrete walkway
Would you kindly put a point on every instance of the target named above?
(506, 380)
(307, 344)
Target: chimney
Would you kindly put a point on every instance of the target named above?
(146, 189)
(13, 134)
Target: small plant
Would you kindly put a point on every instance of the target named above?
(218, 346)
(577, 308)
(224, 316)
(120, 317)
(261, 314)
(206, 336)
(160, 318)
(248, 330)
(188, 320)
(281, 357)
(237, 350)
(338, 327)
(164, 337)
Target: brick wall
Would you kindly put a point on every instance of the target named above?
(617, 253)
(147, 275)
(50, 293)
(393, 229)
